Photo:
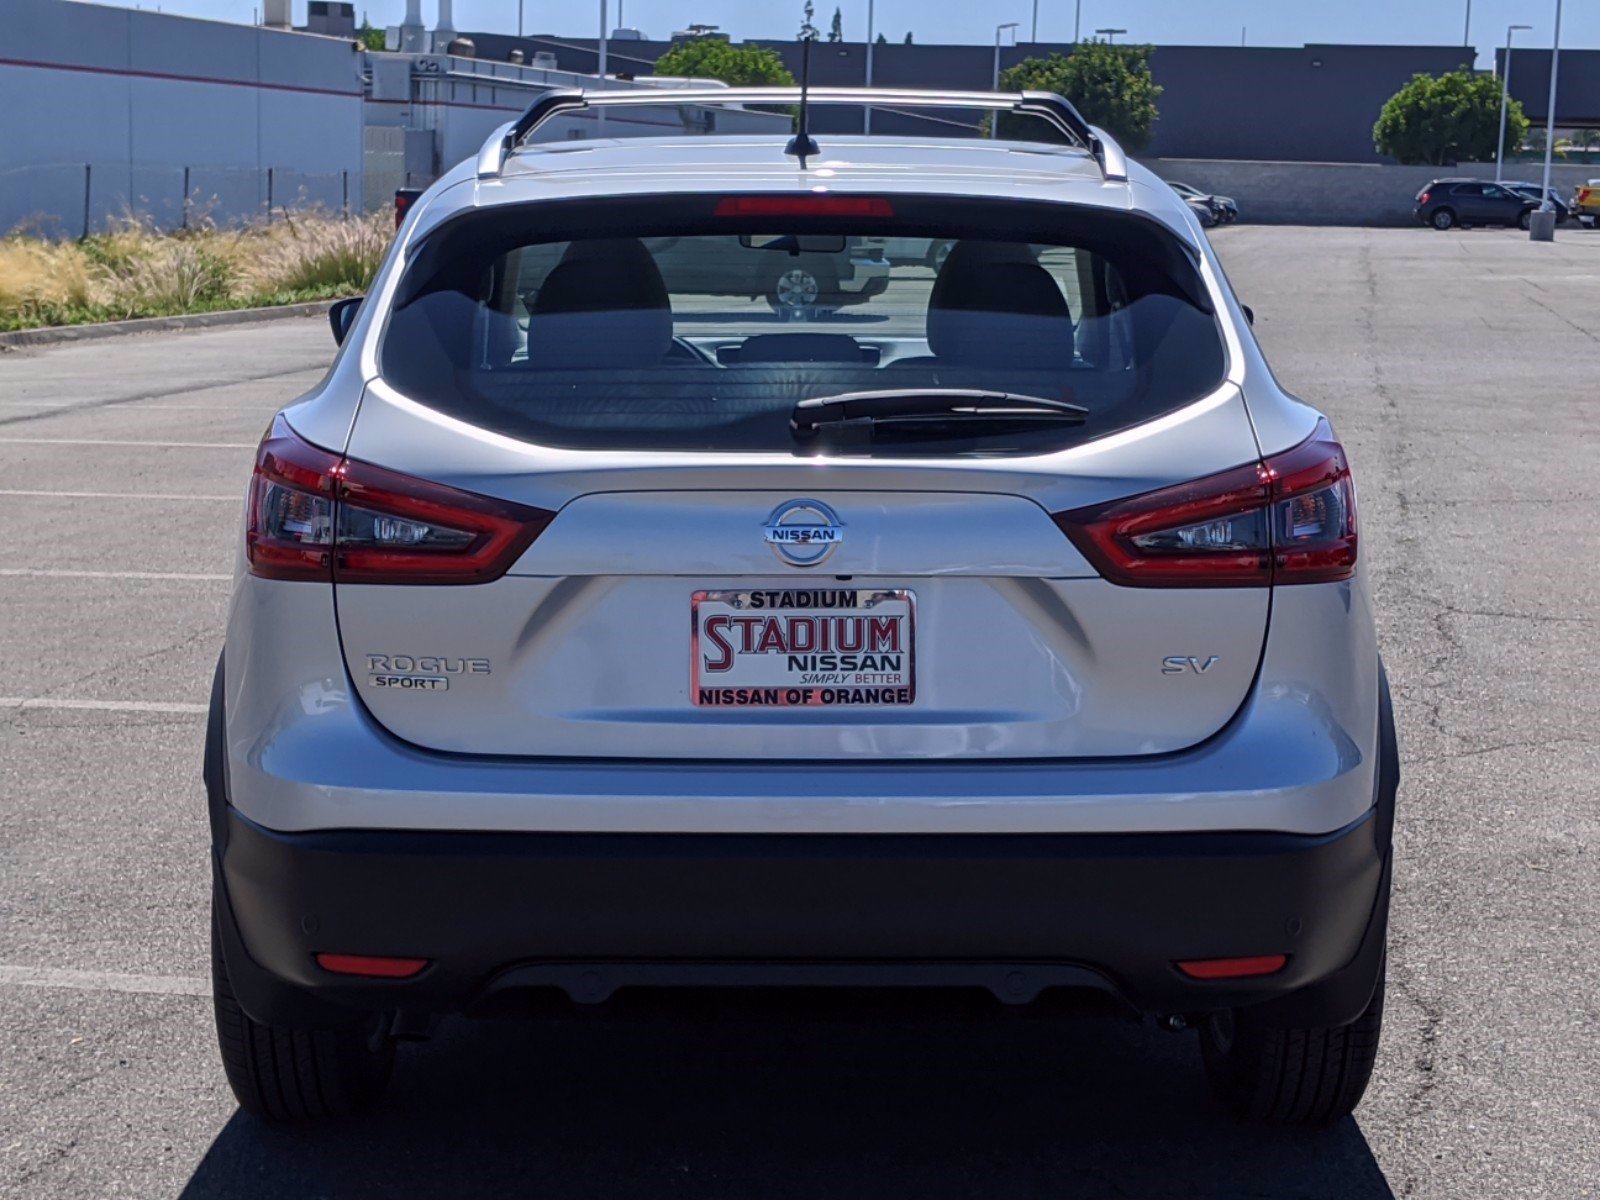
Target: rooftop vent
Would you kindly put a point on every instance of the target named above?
(277, 14)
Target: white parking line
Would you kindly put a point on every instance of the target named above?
(16, 441)
(104, 981)
(140, 706)
(111, 495)
(53, 573)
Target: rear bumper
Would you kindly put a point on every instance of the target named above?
(868, 277)
(590, 913)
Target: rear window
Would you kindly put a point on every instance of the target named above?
(703, 326)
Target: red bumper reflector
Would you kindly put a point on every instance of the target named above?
(371, 965)
(1233, 968)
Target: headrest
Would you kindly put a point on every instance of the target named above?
(994, 305)
(969, 258)
(603, 305)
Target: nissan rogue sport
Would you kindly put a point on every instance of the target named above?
(1006, 631)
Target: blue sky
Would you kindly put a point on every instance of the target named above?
(1174, 22)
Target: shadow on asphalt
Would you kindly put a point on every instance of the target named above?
(871, 1098)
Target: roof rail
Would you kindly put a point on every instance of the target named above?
(1057, 110)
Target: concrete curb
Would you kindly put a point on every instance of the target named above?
(56, 334)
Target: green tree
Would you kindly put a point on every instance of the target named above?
(881, 41)
(1110, 85)
(369, 37)
(836, 29)
(712, 58)
(1450, 118)
(908, 38)
(808, 26)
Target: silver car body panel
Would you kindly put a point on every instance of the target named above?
(598, 665)
(304, 753)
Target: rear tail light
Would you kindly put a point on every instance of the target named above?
(1289, 519)
(404, 198)
(1425, 197)
(318, 516)
(1234, 968)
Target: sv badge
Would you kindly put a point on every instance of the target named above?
(1178, 664)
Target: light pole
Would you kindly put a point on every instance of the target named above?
(1077, 22)
(998, 30)
(1505, 98)
(1545, 230)
(866, 115)
(600, 70)
(1466, 30)
(1034, 36)
(1111, 34)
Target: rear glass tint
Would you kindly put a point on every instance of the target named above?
(701, 332)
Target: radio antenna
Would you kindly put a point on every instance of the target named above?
(802, 144)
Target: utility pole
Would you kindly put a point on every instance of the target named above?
(866, 115)
(1034, 36)
(600, 70)
(1505, 100)
(1550, 115)
(1077, 22)
(994, 127)
(1542, 228)
(1466, 30)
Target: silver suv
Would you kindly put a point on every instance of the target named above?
(1005, 631)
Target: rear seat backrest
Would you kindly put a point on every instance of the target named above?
(604, 304)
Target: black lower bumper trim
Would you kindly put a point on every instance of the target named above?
(594, 982)
(589, 913)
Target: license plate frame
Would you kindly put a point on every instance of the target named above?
(885, 683)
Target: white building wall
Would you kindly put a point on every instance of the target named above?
(107, 110)
(106, 107)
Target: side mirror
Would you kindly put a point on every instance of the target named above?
(342, 315)
(1249, 313)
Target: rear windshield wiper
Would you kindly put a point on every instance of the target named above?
(928, 413)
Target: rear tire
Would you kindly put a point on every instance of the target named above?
(1278, 1075)
(284, 1074)
(1525, 221)
(1443, 218)
(798, 294)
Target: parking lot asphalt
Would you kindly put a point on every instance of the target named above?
(1463, 373)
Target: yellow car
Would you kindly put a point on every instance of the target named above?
(1586, 202)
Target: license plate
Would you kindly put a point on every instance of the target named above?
(819, 648)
